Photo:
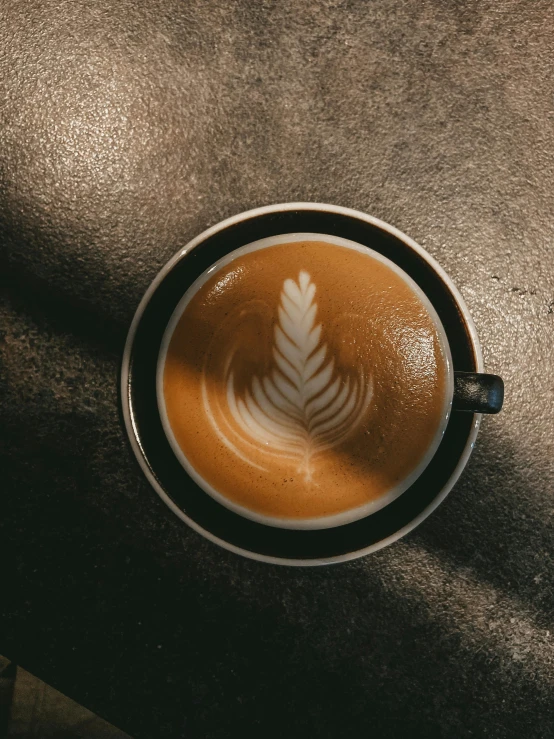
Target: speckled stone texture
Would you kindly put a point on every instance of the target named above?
(127, 127)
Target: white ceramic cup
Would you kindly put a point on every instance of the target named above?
(346, 516)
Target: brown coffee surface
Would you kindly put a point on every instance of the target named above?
(304, 380)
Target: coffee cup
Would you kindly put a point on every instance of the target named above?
(303, 384)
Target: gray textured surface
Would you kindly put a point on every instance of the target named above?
(129, 127)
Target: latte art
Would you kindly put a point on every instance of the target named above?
(302, 407)
(304, 381)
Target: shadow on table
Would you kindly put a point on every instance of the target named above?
(33, 296)
(116, 603)
(489, 523)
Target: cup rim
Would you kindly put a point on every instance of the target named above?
(130, 421)
(348, 515)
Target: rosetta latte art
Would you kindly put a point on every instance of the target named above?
(303, 406)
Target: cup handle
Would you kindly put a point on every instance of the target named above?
(477, 393)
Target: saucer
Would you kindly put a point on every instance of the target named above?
(201, 511)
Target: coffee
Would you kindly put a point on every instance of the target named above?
(304, 381)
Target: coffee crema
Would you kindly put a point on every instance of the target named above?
(304, 381)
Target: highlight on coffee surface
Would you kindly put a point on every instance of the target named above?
(304, 381)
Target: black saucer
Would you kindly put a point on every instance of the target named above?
(182, 494)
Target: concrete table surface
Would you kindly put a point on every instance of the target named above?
(126, 128)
